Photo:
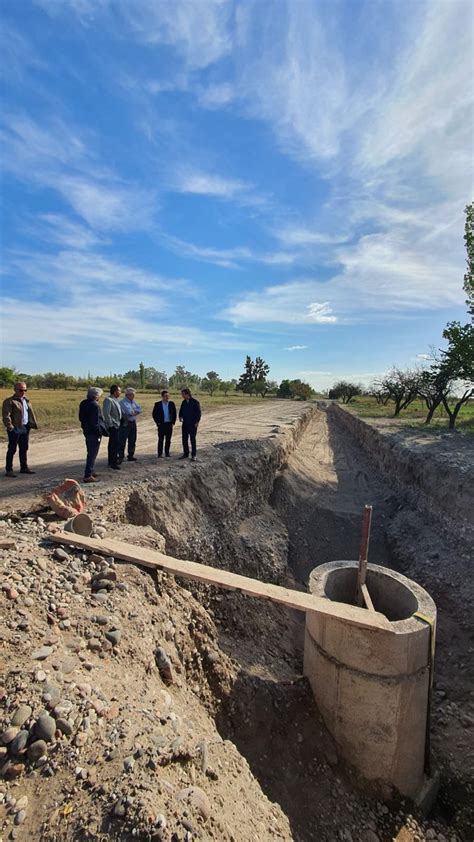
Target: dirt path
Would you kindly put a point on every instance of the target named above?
(55, 456)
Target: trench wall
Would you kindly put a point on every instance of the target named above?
(432, 480)
(217, 511)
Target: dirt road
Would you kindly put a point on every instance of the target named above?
(55, 456)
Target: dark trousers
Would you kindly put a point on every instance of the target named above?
(113, 446)
(165, 431)
(20, 440)
(92, 447)
(127, 438)
(189, 432)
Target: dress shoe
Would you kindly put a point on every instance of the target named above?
(184, 456)
(26, 471)
(167, 455)
(132, 459)
(10, 474)
(160, 456)
(193, 458)
(91, 479)
(115, 467)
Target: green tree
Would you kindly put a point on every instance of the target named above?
(284, 389)
(226, 386)
(142, 375)
(345, 390)
(469, 241)
(7, 376)
(402, 387)
(210, 383)
(457, 366)
(247, 378)
(300, 391)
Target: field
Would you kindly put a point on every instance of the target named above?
(415, 414)
(57, 409)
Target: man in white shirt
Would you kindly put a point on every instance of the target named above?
(128, 429)
(18, 418)
(164, 416)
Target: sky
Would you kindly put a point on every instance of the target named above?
(186, 182)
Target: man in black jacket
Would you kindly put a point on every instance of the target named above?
(190, 415)
(92, 423)
(164, 416)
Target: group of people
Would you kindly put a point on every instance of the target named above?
(116, 420)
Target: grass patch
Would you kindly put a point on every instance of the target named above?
(415, 414)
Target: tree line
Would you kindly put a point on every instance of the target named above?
(253, 381)
(448, 380)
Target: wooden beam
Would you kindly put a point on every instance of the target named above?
(225, 579)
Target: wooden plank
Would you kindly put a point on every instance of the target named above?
(225, 579)
(363, 555)
(367, 598)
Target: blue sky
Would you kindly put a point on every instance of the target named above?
(189, 181)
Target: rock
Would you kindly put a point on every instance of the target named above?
(42, 653)
(114, 636)
(128, 764)
(36, 750)
(163, 663)
(9, 734)
(51, 695)
(18, 744)
(61, 554)
(196, 797)
(21, 804)
(64, 726)
(45, 727)
(103, 585)
(40, 676)
(20, 817)
(14, 771)
(94, 644)
(21, 715)
(119, 809)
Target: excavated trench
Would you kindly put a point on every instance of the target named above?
(274, 510)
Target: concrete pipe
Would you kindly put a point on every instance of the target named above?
(372, 686)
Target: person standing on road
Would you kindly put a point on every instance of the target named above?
(190, 415)
(112, 418)
(91, 420)
(18, 418)
(164, 416)
(128, 430)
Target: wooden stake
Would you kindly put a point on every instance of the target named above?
(362, 596)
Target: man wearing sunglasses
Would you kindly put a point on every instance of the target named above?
(18, 418)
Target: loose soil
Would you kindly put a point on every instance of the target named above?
(232, 747)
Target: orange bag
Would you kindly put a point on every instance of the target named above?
(67, 499)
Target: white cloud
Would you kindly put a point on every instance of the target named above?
(60, 159)
(204, 184)
(290, 303)
(296, 348)
(230, 258)
(197, 30)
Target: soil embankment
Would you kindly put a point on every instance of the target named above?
(230, 745)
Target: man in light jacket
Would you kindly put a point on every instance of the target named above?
(18, 418)
(128, 429)
(112, 417)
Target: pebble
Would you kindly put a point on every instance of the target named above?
(128, 764)
(9, 734)
(61, 554)
(51, 695)
(64, 726)
(196, 796)
(19, 742)
(20, 817)
(36, 750)
(42, 653)
(45, 727)
(21, 804)
(21, 715)
(114, 636)
(163, 663)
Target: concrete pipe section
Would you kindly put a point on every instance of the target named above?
(373, 686)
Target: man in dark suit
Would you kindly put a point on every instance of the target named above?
(190, 415)
(164, 416)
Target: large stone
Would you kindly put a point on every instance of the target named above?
(18, 744)
(45, 727)
(36, 750)
(42, 653)
(21, 715)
